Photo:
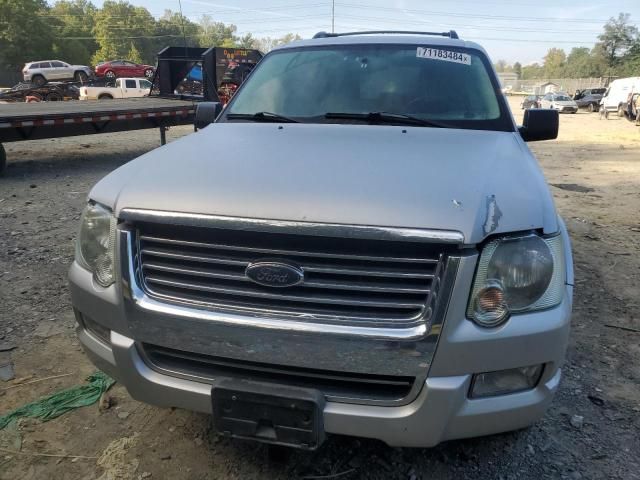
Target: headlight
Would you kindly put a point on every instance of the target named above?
(96, 243)
(515, 275)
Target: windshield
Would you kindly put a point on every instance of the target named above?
(562, 98)
(452, 86)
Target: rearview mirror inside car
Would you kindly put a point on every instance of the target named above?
(539, 124)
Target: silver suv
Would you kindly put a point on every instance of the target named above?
(380, 255)
(45, 71)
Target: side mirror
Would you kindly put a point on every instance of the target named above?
(206, 113)
(539, 124)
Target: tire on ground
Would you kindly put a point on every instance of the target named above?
(105, 96)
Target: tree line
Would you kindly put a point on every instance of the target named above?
(616, 54)
(78, 32)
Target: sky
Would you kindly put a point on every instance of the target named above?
(517, 30)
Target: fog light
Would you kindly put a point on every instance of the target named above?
(502, 382)
(103, 333)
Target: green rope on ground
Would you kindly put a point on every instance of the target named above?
(61, 402)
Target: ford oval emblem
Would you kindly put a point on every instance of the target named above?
(274, 274)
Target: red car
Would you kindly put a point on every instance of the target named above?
(123, 68)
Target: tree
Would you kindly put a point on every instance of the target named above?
(134, 54)
(216, 34)
(25, 32)
(554, 62)
(501, 66)
(517, 69)
(532, 71)
(581, 62)
(119, 24)
(73, 24)
(267, 44)
(169, 31)
(618, 36)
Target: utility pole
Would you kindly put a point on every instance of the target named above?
(333, 16)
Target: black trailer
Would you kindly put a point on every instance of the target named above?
(35, 121)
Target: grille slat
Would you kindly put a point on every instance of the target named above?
(356, 301)
(332, 284)
(384, 283)
(289, 253)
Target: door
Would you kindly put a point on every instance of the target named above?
(60, 71)
(131, 69)
(130, 89)
(46, 71)
(145, 88)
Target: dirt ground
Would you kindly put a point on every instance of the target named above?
(590, 431)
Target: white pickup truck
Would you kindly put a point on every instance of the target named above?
(125, 88)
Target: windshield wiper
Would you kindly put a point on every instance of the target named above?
(261, 117)
(385, 117)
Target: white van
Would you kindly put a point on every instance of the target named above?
(616, 95)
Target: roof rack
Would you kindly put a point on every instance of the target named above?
(450, 33)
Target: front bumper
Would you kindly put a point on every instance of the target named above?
(440, 410)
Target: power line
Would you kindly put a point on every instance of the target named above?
(474, 15)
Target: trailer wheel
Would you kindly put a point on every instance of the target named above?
(38, 80)
(148, 73)
(3, 160)
(110, 75)
(105, 96)
(54, 97)
(80, 76)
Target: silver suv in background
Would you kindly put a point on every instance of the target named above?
(380, 256)
(45, 71)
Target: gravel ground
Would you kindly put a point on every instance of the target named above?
(590, 431)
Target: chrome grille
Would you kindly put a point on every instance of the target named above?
(347, 280)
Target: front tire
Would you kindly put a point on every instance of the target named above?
(591, 108)
(620, 111)
(81, 77)
(38, 80)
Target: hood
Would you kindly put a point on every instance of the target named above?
(475, 182)
(564, 103)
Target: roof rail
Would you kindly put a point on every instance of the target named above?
(450, 33)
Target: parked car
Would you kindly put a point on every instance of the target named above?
(530, 101)
(51, 92)
(588, 91)
(590, 101)
(385, 261)
(631, 107)
(561, 102)
(124, 68)
(616, 96)
(45, 71)
(124, 88)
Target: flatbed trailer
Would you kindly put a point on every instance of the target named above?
(35, 121)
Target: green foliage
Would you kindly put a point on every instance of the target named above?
(25, 33)
(118, 24)
(618, 36)
(73, 23)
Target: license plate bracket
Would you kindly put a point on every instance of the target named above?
(276, 414)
